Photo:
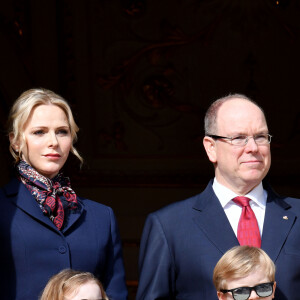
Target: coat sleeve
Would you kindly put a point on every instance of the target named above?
(114, 281)
(156, 263)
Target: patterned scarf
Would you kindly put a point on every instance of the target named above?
(52, 195)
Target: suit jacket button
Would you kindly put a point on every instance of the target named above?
(62, 249)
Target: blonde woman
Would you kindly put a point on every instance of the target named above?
(45, 227)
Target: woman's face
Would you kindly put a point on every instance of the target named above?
(48, 139)
(87, 291)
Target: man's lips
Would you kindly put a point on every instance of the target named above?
(252, 162)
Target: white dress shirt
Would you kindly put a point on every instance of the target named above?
(233, 211)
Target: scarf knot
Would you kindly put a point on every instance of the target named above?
(53, 195)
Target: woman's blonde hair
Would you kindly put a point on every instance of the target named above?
(239, 262)
(67, 282)
(21, 111)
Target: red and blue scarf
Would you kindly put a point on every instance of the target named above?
(53, 195)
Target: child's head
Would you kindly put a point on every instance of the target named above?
(244, 266)
(72, 285)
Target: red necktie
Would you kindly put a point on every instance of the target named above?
(248, 231)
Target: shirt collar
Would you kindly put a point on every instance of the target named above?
(258, 195)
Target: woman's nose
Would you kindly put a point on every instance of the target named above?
(52, 140)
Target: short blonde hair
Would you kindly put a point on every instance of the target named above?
(67, 282)
(22, 109)
(239, 262)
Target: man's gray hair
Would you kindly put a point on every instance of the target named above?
(210, 119)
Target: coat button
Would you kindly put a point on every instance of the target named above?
(62, 249)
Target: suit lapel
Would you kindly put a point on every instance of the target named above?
(212, 220)
(279, 220)
(17, 193)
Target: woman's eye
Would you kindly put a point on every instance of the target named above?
(63, 132)
(38, 132)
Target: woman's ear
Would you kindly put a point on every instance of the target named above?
(15, 145)
(210, 148)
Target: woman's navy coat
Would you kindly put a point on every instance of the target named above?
(32, 249)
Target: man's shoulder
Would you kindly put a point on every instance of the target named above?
(187, 204)
(178, 205)
(282, 200)
(293, 202)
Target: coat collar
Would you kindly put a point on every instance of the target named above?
(20, 196)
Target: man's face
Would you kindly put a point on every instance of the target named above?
(239, 168)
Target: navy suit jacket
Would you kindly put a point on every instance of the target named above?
(182, 243)
(32, 249)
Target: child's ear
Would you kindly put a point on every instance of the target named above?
(221, 296)
(274, 287)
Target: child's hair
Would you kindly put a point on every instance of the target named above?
(67, 282)
(239, 262)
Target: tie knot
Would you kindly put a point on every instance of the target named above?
(241, 201)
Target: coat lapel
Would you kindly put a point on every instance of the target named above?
(212, 220)
(279, 220)
(74, 217)
(18, 194)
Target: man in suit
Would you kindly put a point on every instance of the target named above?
(182, 242)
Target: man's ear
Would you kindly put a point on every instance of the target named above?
(210, 148)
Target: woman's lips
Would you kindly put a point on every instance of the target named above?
(52, 156)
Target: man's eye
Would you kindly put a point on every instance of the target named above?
(261, 136)
(239, 137)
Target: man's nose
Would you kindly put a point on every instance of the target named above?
(251, 145)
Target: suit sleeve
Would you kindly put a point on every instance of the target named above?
(115, 284)
(156, 263)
